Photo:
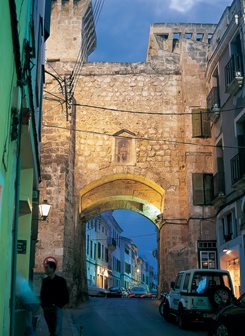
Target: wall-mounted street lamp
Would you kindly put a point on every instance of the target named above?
(44, 209)
(226, 250)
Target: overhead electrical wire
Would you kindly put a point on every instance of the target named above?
(52, 94)
(153, 113)
(173, 142)
(87, 41)
(69, 82)
(59, 76)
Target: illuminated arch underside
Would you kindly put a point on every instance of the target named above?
(122, 191)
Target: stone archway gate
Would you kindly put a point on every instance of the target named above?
(128, 144)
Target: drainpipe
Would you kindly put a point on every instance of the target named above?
(16, 50)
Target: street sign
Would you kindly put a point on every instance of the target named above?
(21, 246)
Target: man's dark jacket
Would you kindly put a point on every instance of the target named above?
(54, 292)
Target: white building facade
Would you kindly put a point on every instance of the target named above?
(226, 106)
(111, 259)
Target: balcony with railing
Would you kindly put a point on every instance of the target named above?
(213, 103)
(219, 188)
(238, 170)
(234, 74)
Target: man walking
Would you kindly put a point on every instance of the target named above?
(54, 295)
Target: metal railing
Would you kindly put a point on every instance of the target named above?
(213, 99)
(233, 69)
(219, 184)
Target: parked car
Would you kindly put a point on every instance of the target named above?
(117, 292)
(230, 320)
(139, 292)
(196, 295)
(97, 291)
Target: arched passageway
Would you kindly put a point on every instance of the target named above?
(123, 191)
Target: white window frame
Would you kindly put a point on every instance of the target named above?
(231, 209)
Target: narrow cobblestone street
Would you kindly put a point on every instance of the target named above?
(119, 317)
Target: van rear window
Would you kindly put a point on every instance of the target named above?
(203, 281)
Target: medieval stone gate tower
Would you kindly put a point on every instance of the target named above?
(126, 142)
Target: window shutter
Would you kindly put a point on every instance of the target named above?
(196, 123)
(206, 129)
(208, 189)
(197, 189)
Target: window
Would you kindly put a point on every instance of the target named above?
(164, 36)
(91, 249)
(99, 250)
(176, 38)
(95, 246)
(229, 226)
(126, 250)
(118, 269)
(188, 36)
(87, 245)
(238, 161)
(202, 188)
(178, 281)
(200, 124)
(114, 263)
(208, 259)
(199, 37)
(210, 35)
(234, 67)
(127, 268)
(186, 282)
(103, 252)
(207, 254)
(106, 255)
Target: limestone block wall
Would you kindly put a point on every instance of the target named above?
(163, 153)
(56, 185)
(150, 104)
(65, 34)
(128, 88)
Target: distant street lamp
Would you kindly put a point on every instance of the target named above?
(44, 209)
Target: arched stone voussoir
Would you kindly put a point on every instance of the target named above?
(121, 202)
(122, 191)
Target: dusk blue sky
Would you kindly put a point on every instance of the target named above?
(142, 232)
(123, 25)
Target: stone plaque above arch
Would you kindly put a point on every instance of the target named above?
(124, 148)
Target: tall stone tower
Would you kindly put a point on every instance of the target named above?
(62, 235)
(128, 142)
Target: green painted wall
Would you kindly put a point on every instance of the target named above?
(24, 229)
(7, 164)
(10, 96)
(19, 158)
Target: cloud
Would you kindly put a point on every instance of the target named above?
(182, 5)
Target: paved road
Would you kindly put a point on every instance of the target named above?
(127, 317)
